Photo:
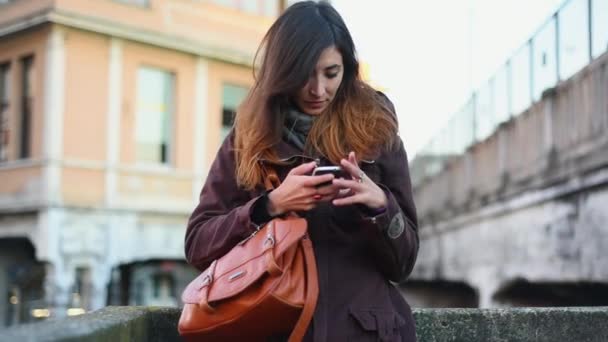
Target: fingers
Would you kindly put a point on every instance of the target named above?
(316, 180)
(326, 198)
(348, 183)
(310, 190)
(303, 169)
(354, 190)
(351, 166)
(328, 190)
(352, 158)
(345, 193)
(358, 198)
(352, 169)
(325, 193)
(306, 204)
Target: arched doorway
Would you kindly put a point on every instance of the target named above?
(21, 283)
(439, 294)
(521, 292)
(150, 283)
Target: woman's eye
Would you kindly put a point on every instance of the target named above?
(331, 75)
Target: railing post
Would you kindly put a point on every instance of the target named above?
(590, 22)
(531, 78)
(557, 46)
(509, 77)
(474, 118)
(548, 124)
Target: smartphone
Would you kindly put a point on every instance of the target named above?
(323, 170)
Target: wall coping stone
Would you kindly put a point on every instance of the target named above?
(124, 323)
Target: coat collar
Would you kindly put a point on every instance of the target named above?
(289, 154)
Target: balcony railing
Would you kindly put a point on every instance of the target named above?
(569, 40)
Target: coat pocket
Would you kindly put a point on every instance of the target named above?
(376, 325)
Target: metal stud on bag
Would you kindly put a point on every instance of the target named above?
(269, 240)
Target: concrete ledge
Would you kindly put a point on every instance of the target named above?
(513, 324)
(115, 324)
(432, 325)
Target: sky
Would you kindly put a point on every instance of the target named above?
(429, 55)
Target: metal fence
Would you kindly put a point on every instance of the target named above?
(570, 39)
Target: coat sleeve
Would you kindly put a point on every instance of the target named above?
(393, 234)
(222, 217)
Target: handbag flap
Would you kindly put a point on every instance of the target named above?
(245, 263)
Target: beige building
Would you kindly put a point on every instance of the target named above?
(110, 114)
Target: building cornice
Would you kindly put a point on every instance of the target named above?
(127, 32)
(24, 23)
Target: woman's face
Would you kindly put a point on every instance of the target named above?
(323, 84)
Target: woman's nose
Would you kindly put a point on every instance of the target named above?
(317, 88)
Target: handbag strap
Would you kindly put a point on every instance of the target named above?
(271, 178)
(312, 287)
(271, 182)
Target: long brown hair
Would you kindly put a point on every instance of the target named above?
(357, 119)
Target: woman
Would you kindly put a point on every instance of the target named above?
(309, 107)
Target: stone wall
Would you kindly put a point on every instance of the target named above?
(432, 325)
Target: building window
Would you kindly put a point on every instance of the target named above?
(154, 124)
(5, 94)
(140, 3)
(163, 286)
(232, 96)
(268, 8)
(27, 95)
(140, 294)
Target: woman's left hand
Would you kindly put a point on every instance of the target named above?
(362, 189)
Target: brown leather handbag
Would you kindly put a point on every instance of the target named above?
(265, 286)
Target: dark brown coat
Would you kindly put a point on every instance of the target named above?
(358, 256)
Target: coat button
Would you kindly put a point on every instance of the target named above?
(397, 226)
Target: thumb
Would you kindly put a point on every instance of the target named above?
(303, 169)
(352, 158)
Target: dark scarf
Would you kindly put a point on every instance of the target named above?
(296, 127)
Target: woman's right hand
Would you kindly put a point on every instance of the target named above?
(298, 191)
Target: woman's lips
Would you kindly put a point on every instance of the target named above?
(315, 104)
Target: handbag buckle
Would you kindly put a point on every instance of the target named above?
(208, 278)
(269, 240)
(206, 281)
